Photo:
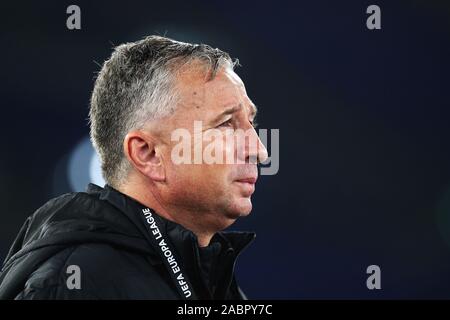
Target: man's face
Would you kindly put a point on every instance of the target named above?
(221, 190)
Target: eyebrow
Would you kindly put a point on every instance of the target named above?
(234, 108)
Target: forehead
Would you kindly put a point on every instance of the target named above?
(224, 89)
(204, 100)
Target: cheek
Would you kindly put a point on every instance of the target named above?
(204, 176)
(215, 176)
(229, 148)
(199, 176)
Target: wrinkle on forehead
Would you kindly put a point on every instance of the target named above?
(202, 100)
(197, 92)
(201, 74)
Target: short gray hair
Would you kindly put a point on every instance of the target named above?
(135, 85)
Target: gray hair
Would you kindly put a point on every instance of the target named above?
(135, 85)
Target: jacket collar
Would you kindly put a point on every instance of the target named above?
(232, 239)
(184, 240)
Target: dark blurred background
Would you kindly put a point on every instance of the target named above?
(363, 116)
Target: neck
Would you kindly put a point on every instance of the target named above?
(186, 219)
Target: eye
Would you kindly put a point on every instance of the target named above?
(226, 123)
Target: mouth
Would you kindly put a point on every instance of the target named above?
(246, 185)
(249, 180)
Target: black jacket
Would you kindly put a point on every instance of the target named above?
(112, 239)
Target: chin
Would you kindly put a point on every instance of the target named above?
(240, 208)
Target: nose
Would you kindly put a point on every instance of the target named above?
(261, 152)
(254, 150)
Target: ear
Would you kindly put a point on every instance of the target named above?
(142, 152)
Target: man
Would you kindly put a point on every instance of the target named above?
(155, 230)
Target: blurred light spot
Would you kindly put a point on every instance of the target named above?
(84, 167)
(95, 170)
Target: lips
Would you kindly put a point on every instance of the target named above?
(251, 180)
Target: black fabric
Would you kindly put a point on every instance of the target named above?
(209, 257)
(100, 232)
